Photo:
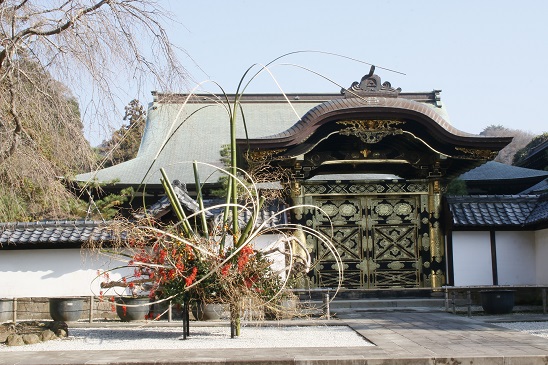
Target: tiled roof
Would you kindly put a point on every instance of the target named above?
(50, 234)
(199, 132)
(497, 210)
(498, 171)
(270, 213)
(539, 188)
(201, 128)
(71, 234)
(540, 213)
(380, 103)
(163, 206)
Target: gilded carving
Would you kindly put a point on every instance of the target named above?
(372, 265)
(379, 238)
(372, 130)
(477, 154)
(296, 188)
(396, 265)
(403, 209)
(384, 210)
(314, 189)
(262, 155)
(370, 84)
(336, 266)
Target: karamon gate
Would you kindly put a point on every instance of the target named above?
(375, 162)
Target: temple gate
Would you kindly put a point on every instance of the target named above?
(370, 168)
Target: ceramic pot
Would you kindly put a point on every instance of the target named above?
(207, 311)
(497, 301)
(132, 309)
(66, 309)
(6, 310)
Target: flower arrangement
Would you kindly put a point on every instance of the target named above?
(195, 259)
(178, 262)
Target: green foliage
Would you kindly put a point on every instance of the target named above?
(223, 181)
(110, 205)
(51, 146)
(524, 152)
(457, 187)
(124, 143)
(107, 207)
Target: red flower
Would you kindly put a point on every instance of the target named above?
(225, 269)
(190, 279)
(243, 257)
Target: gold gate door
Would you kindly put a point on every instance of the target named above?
(375, 237)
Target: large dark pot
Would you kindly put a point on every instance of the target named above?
(133, 309)
(66, 309)
(497, 301)
(6, 310)
(207, 311)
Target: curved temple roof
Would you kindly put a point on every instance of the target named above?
(419, 120)
(182, 128)
(395, 132)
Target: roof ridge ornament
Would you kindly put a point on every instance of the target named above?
(370, 85)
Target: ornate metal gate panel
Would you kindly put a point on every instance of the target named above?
(395, 253)
(375, 237)
(346, 217)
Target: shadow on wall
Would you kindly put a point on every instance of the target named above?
(50, 273)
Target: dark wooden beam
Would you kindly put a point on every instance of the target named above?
(494, 257)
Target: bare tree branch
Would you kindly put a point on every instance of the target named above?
(93, 48)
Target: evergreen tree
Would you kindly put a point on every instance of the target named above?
(124, 143)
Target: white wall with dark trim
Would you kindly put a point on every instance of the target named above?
(71, 272)
(541, 256)
(50, 273)
(522, 258)
(472, 258)
(516, 258)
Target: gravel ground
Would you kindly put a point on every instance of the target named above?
(117, 338)
(201, 337)
(533, 328)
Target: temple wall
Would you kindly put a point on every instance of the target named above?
(49, 273)
(70, 272)
(516, 258)
(541, 257)
(521, 257)
(472, 258)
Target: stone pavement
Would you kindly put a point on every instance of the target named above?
(402, 337)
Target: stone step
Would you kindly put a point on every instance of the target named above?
(379, 294)
(387, 303)
(378, 304)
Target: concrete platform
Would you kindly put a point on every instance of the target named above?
(415, 337)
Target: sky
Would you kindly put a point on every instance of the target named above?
(488, 57)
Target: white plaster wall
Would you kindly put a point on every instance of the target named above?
(50, 273)
(516, 264)
(71, 272)
(472, 258)
(266, 242)
(541, 257)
